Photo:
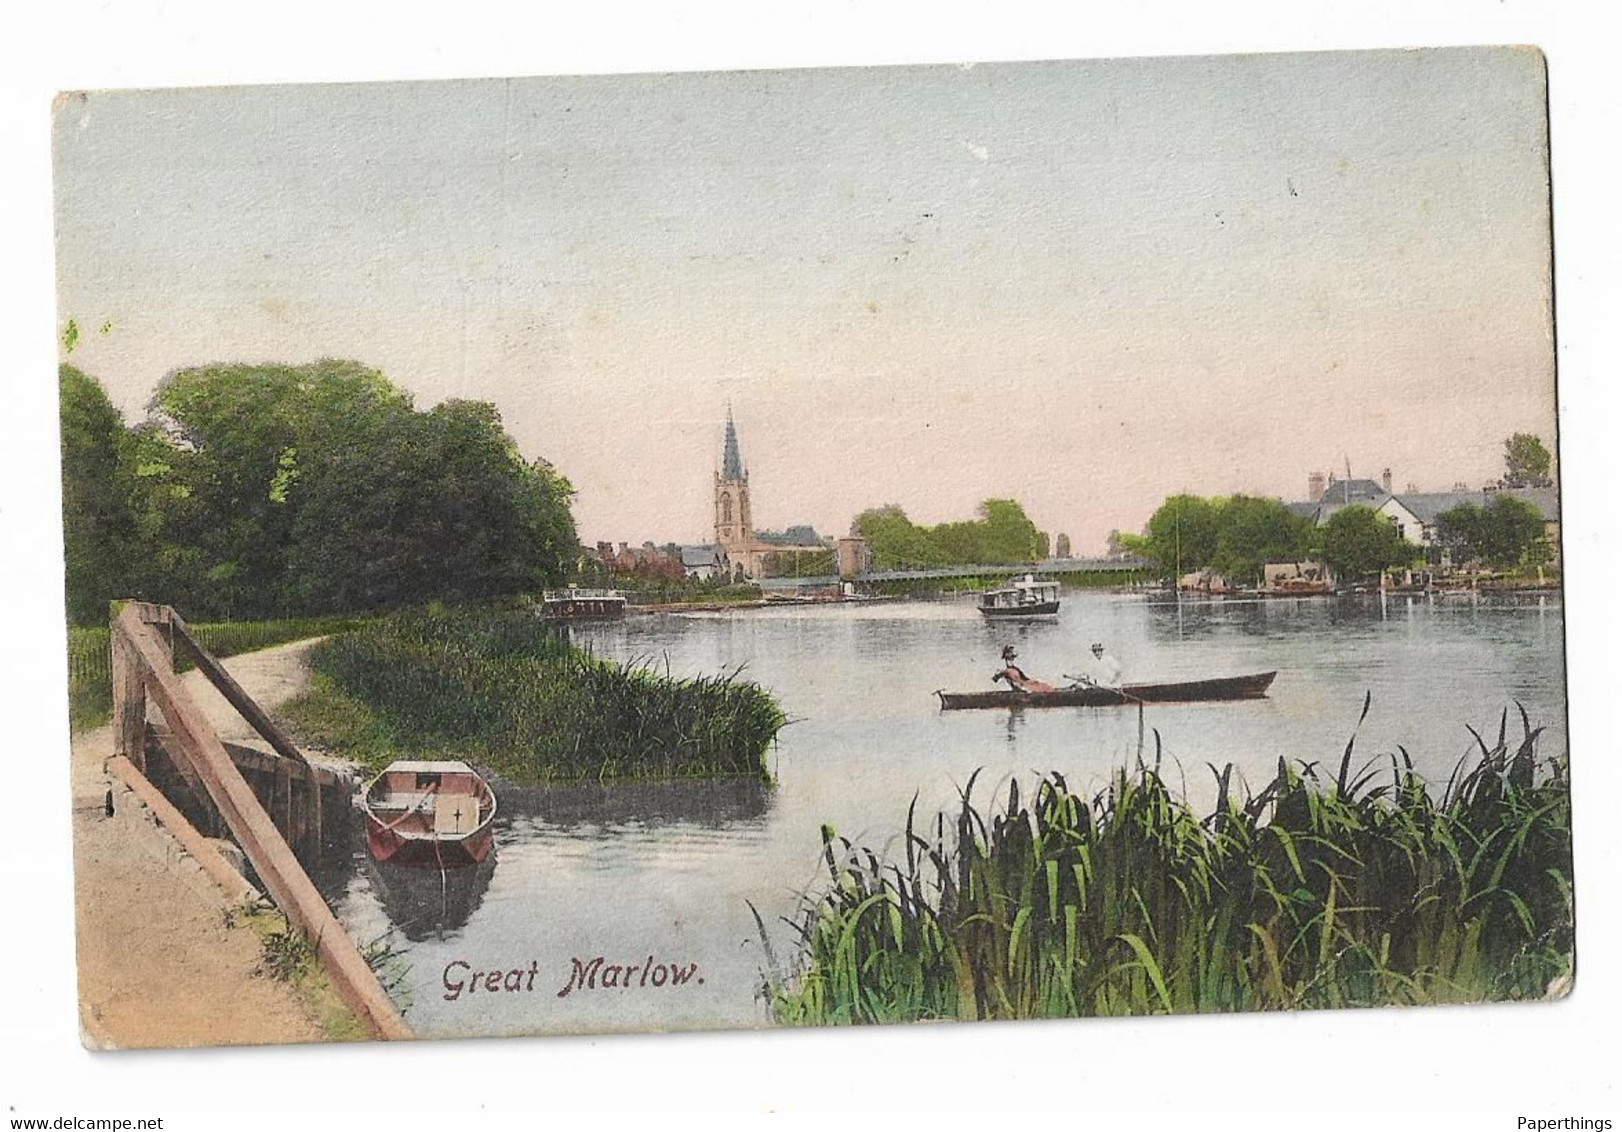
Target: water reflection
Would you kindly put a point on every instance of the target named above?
(430, 903)
(674, 868)
(1280, 618)
(714, 802)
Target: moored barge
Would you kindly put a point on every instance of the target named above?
(574, 604)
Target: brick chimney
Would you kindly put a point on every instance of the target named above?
(1385, 481)
(1315, 486)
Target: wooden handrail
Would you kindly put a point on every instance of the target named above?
(234, 694)
(198, 743)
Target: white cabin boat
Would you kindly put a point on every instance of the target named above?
(1023, 597)
(577, 604)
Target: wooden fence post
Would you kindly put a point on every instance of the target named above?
(159, 617)
(129, 700)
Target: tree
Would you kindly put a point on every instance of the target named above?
(895, 540)
(423, 506)
(1006, 536)
(1002, 535)
(238, 439)
(99, 523)
(1502, 534)
(268, 490)
(1252, 532)
(1180, 536)
(1358, 541)
(1526, 462)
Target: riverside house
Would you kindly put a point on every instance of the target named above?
(1416, 513)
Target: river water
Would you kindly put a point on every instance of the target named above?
(656, 878)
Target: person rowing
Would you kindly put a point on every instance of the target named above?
(1015, 676)
(1103, 671)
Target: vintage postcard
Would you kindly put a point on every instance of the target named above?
(583, 555)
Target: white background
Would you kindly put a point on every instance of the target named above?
(1477, 1067)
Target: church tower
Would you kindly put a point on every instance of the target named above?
(734, 527)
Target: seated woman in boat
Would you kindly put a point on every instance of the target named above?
(1015, 676)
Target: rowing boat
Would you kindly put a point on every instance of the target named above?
(429, 814)
(1185, 692)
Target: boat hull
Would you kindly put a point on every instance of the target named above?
(1044, 609)
(585, 609)
(389, 847)
(1187, 692)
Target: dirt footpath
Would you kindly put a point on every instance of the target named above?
(162, 961)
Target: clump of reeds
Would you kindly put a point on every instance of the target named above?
(391, 968)
(1360, 890)
(503, 685)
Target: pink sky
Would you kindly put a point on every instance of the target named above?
(1085, 285)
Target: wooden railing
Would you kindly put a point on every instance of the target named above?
(142, 644)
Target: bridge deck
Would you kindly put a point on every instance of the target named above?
(1057, 567)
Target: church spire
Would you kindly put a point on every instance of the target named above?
(731, 460)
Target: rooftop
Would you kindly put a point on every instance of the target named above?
(1427, 505)
(802, 535)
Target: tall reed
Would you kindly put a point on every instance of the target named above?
(1357, 891)
(502, 685)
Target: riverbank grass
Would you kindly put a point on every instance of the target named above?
(502, 687)
(90, 680)
(287, 957)
(1359, 890)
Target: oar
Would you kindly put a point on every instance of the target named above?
(1125, 695)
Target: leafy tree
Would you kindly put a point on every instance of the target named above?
(1252, 532)
(1005, 535)
(896, 541)
(237, 437)
(418, 506)
(1526, 462)
(1180, 536)
(99, 523)
(1502, 534)
(1002, 535)
(258, 490)
(1358, 541)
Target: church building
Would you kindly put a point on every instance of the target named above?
(748, 553)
